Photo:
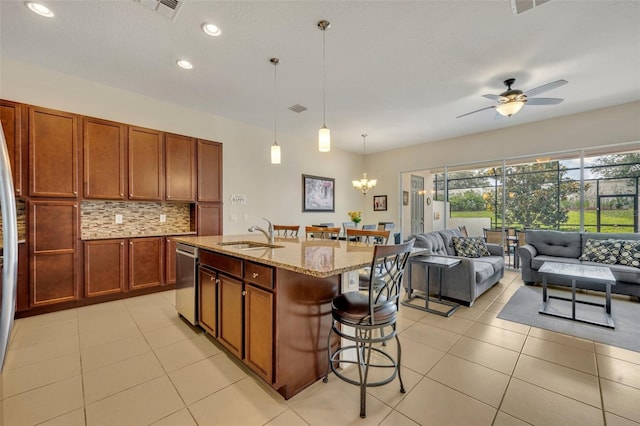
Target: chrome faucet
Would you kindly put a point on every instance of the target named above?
(268, 234)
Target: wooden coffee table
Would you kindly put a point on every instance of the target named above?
(578, 274)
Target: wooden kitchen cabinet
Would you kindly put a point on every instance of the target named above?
(146, 171)
(53, 153)
(104, 154)
(104, 267)
(146, 262)
(230, 314)
(207, 309)
(170, 261)
(209, 219)
(11, 116)
(209, 171)
(180, 168)
(53, 233)
(258, 333)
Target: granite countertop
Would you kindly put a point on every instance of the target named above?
(97, 236)
(319, 258)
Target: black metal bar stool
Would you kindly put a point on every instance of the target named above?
(369, 313)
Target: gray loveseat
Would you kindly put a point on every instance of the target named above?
(464, 282)
(558, 246)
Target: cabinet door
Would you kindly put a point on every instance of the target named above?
(11, 118)
(180, 168)
(258, 329)
(104, 159)
(53, 153)
(52, 251)
(104, 267)
(230, 314)
(170, 261)
(209, 171)
(207, 312)
(146, 262)
(209, 219)
(146, 175)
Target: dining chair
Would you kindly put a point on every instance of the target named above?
(286, 231)
(370, 227)
(368, 236)
(322, 232)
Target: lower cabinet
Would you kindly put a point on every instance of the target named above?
(146, 262)
(170, 261)
(237, 309)
(207, 309)
(104, 267)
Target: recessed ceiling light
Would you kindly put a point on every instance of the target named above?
(183, 63)
(40, 9)
(211, 29)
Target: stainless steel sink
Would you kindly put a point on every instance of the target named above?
(248, 245)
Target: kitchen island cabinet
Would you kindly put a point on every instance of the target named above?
(273, 307)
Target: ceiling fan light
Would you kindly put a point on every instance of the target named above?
(509, 108)
(324, 139)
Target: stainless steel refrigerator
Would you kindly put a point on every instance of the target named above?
(9, 249)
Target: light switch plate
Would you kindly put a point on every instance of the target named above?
(118, 218)
(163, 218)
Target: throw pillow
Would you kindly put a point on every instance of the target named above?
(601, 251)
(629, 253)
(470, 247)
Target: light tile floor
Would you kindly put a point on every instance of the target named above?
(134, 362)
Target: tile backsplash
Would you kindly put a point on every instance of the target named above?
(97, 219)
(21, 220)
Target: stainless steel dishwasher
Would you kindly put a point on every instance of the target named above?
(187, 282)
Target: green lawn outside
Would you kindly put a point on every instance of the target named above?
(622, 218)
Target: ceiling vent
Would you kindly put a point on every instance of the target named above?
(167, 8)
(519, 6)
(298, 108)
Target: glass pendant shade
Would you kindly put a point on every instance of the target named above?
(275, 153)
(363, 185)
(509, 108)
(324, 139)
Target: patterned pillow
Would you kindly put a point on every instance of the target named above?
(601, 251)
(470, 247)
(629, 253)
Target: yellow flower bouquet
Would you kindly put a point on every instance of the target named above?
(356, 217)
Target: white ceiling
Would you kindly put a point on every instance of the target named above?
(400, 71)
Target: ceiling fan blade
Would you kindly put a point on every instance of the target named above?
(545, 87)
(544, 101)
(478, 110)
(492, 97)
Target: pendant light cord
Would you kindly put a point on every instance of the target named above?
(324, 72)
(275, 102)
(364, 149)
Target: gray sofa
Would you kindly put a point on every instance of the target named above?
(465, 282)
(558, 246)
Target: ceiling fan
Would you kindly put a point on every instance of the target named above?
(511, 101)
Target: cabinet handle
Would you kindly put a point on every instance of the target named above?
(211, 279)
(244, 293)
(75, 192)
(121, 244)
(254, 275)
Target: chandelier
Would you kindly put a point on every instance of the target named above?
(364, 184)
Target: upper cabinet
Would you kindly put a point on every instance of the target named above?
(209, 171)
(53, 153)
(180, 168)
(146, 174)
(12, 121)
(104, 150)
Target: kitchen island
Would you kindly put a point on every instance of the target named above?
(271, 306)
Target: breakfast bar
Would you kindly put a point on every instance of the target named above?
(269, 305)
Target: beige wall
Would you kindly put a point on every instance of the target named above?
(274, 191)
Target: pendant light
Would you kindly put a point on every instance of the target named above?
(363, 185)
(324, 134)
(275, 148)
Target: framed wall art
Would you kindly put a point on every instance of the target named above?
(318, 194)
(379, 203)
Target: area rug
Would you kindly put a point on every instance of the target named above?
(524, 304)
